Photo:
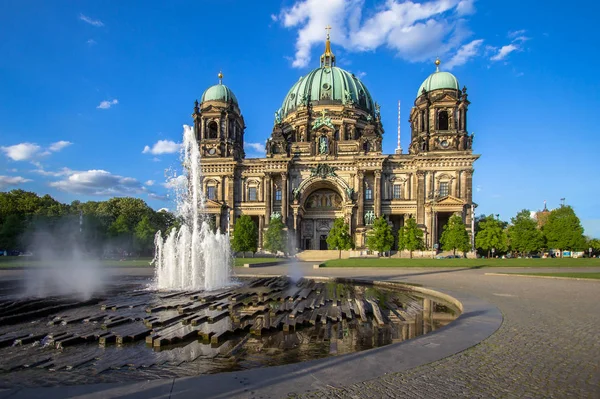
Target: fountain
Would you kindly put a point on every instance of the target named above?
(193, 256)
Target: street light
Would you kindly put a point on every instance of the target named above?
(434, 195)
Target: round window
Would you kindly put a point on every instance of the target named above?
(326, 86)
(444, 143)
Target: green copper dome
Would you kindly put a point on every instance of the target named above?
(219, 92)
(328, 85)
(439, 80)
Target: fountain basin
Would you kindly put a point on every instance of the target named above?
(132, 333)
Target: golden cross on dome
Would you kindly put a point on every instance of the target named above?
(323, 113)
(328, 28)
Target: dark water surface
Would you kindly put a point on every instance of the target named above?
(130, 333)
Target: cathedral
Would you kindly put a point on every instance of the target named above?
(324, 159)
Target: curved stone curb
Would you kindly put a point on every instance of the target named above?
(549, 277)
(478, 321)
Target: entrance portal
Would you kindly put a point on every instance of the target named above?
(323, 243)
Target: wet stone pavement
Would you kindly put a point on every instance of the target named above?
(548, 344)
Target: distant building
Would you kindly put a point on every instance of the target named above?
(324, 158)
(542, 216)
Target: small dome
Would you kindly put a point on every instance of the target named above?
(439, 80)
(219, 92)
(328, 85)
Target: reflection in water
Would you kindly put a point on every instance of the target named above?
(137, 334)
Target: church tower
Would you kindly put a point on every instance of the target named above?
(439, 117)
(218, 123)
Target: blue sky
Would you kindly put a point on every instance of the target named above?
(94, 94)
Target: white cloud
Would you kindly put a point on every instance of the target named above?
(162, 147)
(273, 17)
(504, 51)
(106, 104)
(59, 145)
(516, 45)
(258, 148)
(59, 173)
(149, 183)
(91, 42)
(516, 33)
(464, 54)
(415, 31)
(22, 151)
(99, 182)
(8, 181)
(155, 159)
(94, 22)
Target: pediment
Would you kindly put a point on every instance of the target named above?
(450, 200)
(212, 204)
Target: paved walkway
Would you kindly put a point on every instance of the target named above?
(547, 346)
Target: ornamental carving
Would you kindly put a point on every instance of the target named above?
(323, 171)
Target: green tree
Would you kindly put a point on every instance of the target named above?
(143, 236)
(523, 235)
(491, 235)
(10, 233)
(410, 236)
(455, 236)
(594, 243)
(380, 238)
(276, 236)
(338, 237)
(563, 230)
(245, 235)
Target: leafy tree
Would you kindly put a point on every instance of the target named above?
(492, 234)
(563, 230)
(410, 236)
(339, 237)
(144, 234)
(594, 243)
(245, 235)
(276, 236)
(523, 234)
(10, 232)
(380, 238)
(455, 236)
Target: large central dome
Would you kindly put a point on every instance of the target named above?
(326, 85)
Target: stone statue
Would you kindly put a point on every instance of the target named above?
(350, 192)
(296, 193)
(369, 218)
(377, 110)
(348, 97)
(304, 100)
(461, 143)
(323, 146)
(278, 116)
(431, 143)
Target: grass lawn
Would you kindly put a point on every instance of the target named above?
(251, 261)
(595, 276)
(20, 261)
(474, 263)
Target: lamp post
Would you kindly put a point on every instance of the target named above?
(434, 234)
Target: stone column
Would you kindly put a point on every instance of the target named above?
(267, 197)
(261, 225)
(420, 197)
(361, 199)
(377, 196)
(463, 184)
(469, 186)
(284, 198)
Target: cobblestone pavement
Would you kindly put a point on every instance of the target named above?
(547, 346)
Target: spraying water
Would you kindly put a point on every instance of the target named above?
(192, 257)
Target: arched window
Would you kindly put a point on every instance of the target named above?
(443, 120)
(213, 130)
